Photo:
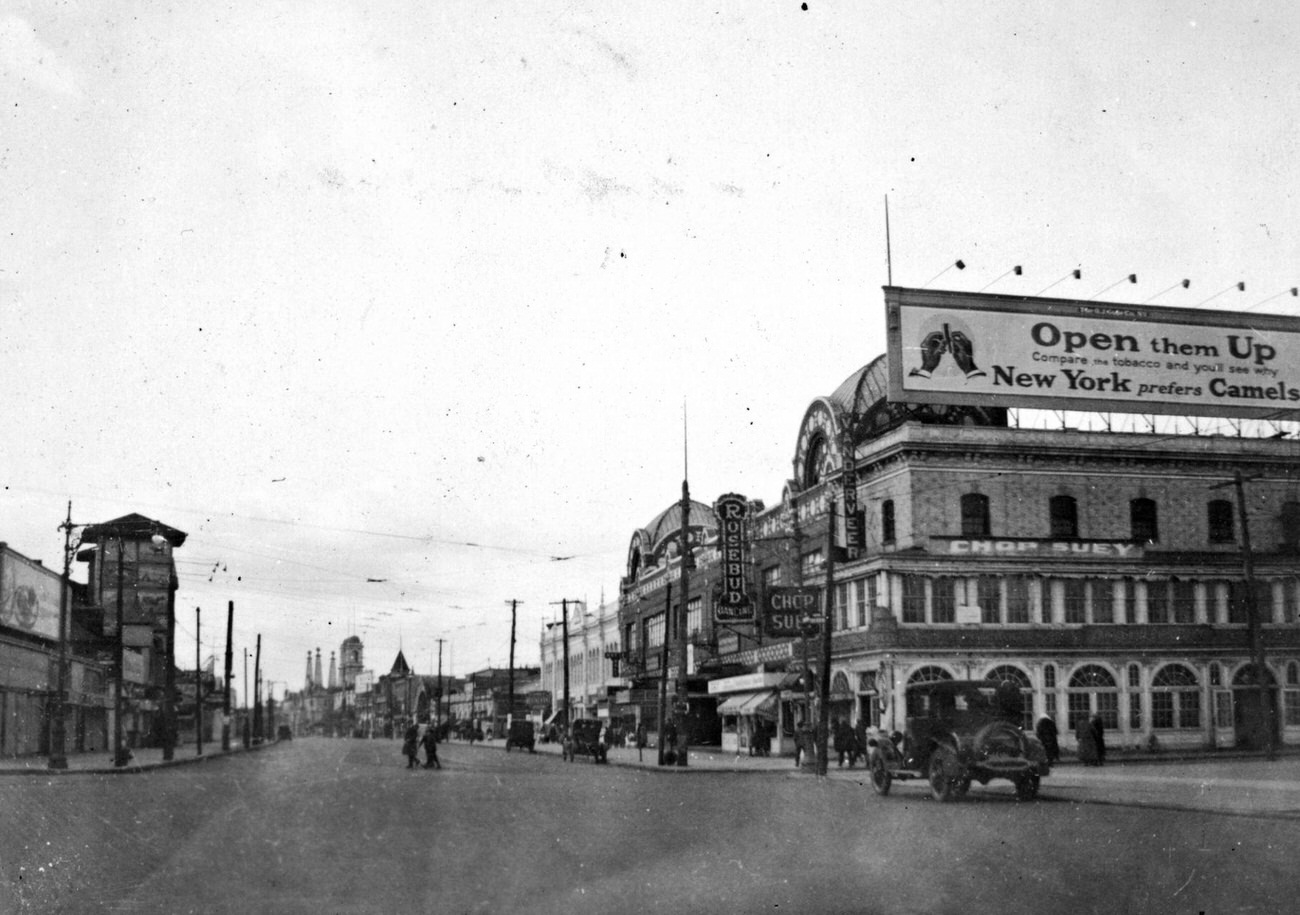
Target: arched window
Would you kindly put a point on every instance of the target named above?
(812, 462)
(887, 521)
(1064, 512)
(1218, 518)
(1142, 520)
(1009, 673)
(1092, 691)
(974, 515)
(1175, 699)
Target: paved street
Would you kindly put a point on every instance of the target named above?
(342, 826)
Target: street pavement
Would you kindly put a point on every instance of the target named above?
(1231, 783)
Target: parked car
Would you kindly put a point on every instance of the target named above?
(284, 732)
(521, 734)
(956, 732)
(586, 738)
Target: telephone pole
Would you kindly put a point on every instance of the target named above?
(1252, 615)
(198, 689)
(225, 702)
(564, 611)
(257, 690)
(438, 711)
(824, 712)
(510, 709)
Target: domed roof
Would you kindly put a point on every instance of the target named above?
(668, 523)
(351, 640)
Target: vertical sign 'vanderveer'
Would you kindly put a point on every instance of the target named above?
(1063, 354)
(733, 604)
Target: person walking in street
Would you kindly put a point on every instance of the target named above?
(1099, 739)
(430, 742)
(843, 742)
(1086, 738)
(410, 747)
(1046, 733)
(641, 741)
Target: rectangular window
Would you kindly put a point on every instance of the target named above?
(1076, 600)
(654, 626)
(1018, 600)
(772, 576)
(887, 521)
(694, 615)
(1183, 602)
(865, 586)
(913, 599)
(842, 606)
(1292, 699)
(1162, 709)
(1135, 711)
(988, 592)
(1223, 708)
(1049, 705)
(1157, 602)
(943, 603)
(1264, 600)
(1103, 600)
(812, 565)
(1108, 709)
(1237, 611)
(1189, 709)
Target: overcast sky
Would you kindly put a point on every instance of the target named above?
(338, 288)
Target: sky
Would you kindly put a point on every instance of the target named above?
(404, 311)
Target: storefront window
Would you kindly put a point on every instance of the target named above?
(1175, 699)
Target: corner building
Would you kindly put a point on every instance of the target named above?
(1101, 571)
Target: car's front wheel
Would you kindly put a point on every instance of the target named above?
(943, 773)
(881, 778)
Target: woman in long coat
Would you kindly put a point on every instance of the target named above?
(1046, 731)
(410, 747)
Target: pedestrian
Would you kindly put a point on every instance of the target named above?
(641, 740)
(859, 742)
(843, 741)
(1046, 731)
(1086, 738)
(410, 747)
(1099, 738)
(430, 742)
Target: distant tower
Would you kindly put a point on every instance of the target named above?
(334, 679)
(317, 680)
(309, 680)
(351, 660)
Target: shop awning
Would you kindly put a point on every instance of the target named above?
(748, 703)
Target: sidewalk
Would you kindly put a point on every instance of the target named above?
(142, 759)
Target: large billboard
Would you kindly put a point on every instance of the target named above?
(1065, 354)
(29, 595)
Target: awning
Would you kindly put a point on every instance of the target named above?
(748, 703)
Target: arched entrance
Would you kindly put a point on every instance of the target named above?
(1252, 718)
(841, 698)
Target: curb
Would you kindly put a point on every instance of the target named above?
(138, 768)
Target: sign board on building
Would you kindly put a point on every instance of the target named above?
(133, 666)
(732, 604)
(853, 521)
(790, 611)
(1058, 549)
(1065, 354)
(29, 596)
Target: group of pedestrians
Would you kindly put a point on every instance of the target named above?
(412, 743)
(1089, 736)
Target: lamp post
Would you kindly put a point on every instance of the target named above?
(58, 723)
(119, 672)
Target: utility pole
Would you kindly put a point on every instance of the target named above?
(663, 670)
(823, 713)
(225, 703)
(510, 709)
(246, 685)
(1252, 615)
(58, 726)
(169, 675)
(681, 706)
(119, 751)
(257, 688)
(438, 713)
(564, 612)
(198, 686)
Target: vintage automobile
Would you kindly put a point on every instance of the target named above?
(959, 731)
(586, 738)
(521, 735)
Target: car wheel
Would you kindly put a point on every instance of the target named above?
(943, 774)
(881, 779)
(1027, 787)
(962, 786)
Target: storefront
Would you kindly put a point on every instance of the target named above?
(752, 713)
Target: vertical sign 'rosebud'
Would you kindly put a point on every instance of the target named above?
(733, 604)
